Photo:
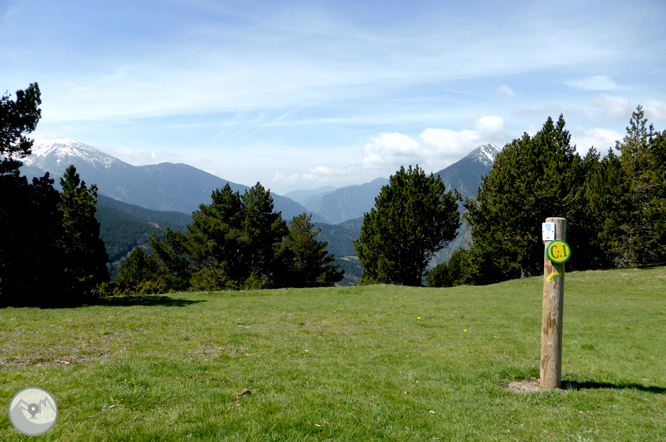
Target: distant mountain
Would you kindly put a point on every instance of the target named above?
(124, 226)
(348, 202)
(352, 202)
(165, 186)
(465, 175)
(300, 196)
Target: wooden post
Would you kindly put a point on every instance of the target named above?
(551, 318)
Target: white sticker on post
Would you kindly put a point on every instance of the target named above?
(548, 231)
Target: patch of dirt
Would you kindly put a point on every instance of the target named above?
(535, 385)
(525, 386)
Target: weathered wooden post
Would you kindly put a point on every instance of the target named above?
(556, 253)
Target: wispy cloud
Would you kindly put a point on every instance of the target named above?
(655, 110)
(263, 88)
(615, 106)
(596, 83)
(599, 138)
(506, 90)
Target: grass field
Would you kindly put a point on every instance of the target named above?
(352, 363)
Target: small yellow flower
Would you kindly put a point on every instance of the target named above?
(465, 330)
(199, 315)
(418, 319)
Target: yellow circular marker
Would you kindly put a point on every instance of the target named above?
(558, 251)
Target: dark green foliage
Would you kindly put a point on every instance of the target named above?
(29, 255)
(167, 268)
(308, 262)
(85, 255)
(240, 236)
(139, 268)
(352, 269)
(122, 232)
(642, 159)
(50, 253)
(125, 226)
(454, 272)
(605, 204)
(532, 178)
(340, 238)
(413, 218)
(17, 119)
(615, 206)
(174, 267)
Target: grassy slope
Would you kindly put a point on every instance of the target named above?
(355, 361)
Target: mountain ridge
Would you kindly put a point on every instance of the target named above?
(165, 186)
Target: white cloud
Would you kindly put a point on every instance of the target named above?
(435, 148)
(388, 147)
(506, 90)
(655, 110)
(323, 174)
(599, 138)
(11, 12)
(615, 106)
(596, 83)
(489, 125)
(447, 142)
(278, 178)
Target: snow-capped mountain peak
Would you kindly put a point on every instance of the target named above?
(485, 154)
(66, 152)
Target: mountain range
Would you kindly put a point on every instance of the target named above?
(340, 205)
(135, 201)
(165, 186)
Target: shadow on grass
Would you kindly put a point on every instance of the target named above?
(116, 301)
(152, 300)
(571, 385)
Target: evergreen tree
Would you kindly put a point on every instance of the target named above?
(29, 217)
(263, 232)
(169, 262)
(532, 178)
(309, 264)
(17, 119)
(235, 240)
(413, 218)
(643, 167)
(139, 267)
(605, 207)
(29, 256)
(85, 255)
(455, 272)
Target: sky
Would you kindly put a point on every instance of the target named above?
(299, 95)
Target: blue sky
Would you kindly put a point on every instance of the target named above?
(307, 94)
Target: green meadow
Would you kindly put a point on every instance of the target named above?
(347, 364)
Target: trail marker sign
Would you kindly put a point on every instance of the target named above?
(558, 251)
(548, 231)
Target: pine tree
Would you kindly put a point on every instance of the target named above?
(85, 255)
(29, 256)
(533, 178)
(139, 267)
(413, 218)
(215, 231)
(309, 264)
(169, 262)
(263, 232)
(235, 240)
(640, 159)
(605, 207)
(17, 119)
